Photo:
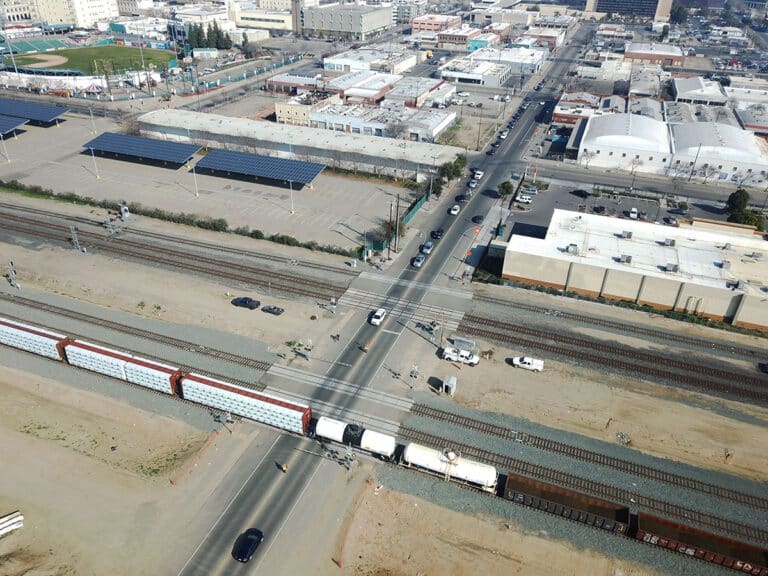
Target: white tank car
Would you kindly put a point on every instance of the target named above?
(378, 443)
(330, 429)
(449, 463)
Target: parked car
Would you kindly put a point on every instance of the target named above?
(462, 94)
(525, 199)
(427, 247)
(473, 184)
(378, 316)
(528, 363)
(276, 310)
(633, 213)
(463, 198)
(247, 544)
(491, 152)
(478, 219)
(479, 174)
(463, 356)
(437, 234)
(418, 262)
(532, 190)
(246, 302)
(503, 134)
(455, 209)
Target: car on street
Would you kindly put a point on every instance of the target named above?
(479, 174)
(455, 209)
(478, 219)
(276, 310)
(491, 152)
(463, 198)
(527, 99)
(462, 94)
(503, 134)
(437, 234)
(247, 544)
(427, 247)
(378, 316)
(246, 302)
(472, 184)
(418, 261)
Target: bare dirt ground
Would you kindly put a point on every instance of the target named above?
(47, 60)
(64, 469)
(394, 534)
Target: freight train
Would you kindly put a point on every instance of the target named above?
(297, 418)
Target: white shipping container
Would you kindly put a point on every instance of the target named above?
(378, 443)
(330, 429)
(30, 338)
(150, 374)
(254, 405)
(97, 359)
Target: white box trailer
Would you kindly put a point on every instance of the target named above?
(378, 443)
(330, 429)
(31, 338)
(97, 358)
(452, 465)
(258, 406)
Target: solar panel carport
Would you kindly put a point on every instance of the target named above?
(9, 124)
(143, 148)
(45, 113)
(279, 169)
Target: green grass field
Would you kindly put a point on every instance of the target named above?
(98, 59)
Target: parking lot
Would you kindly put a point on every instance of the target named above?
(336, 210)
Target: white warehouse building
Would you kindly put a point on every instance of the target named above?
(705, 150)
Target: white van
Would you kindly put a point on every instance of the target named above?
(633, 213)
(524, 199)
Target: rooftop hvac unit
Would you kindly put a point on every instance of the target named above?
(740, 285)
(572, 249)
(626, 234)
(669, 242)
(672, 268)
(725, 265)
(625, 259)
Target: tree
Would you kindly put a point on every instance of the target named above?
(678, 14)
(749, 217)
(506, 188)
(210, 36)
(244, 43)
(737, 202)
(192, 37)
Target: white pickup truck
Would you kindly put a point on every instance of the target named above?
(463, 356)
(528, 363)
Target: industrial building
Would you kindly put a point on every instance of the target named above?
(654, 53)
(698, 90)
(348, 21)
(362, 87)
(708, 150)
(713, 269)
(336, 149)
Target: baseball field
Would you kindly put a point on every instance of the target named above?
(96, 60)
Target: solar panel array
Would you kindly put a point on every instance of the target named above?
(8, 124)
(141, 147)
(31, 110)
(261, 166)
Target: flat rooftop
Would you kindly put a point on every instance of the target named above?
(653, 48)
(699, 249)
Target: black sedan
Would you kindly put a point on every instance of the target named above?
(478, 219)
(246, 302)
(247, 544)
(437, 234)
(276, 310)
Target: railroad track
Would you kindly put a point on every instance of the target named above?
(737, 385)
(178, 240)
(591, 457)
(708, 345)
(138, 332)
(590, 487)
(182, 260)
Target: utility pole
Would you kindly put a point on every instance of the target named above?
(397, 223)
(389, 233)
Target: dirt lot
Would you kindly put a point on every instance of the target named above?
(65, 473)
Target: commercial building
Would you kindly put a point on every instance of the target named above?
(338, 149)
(484, 40)
(575, 106)
(744, 92)
(495, 14)
(252, 15)
(614, 32)
(362, 87)
(551, 37)
(80, 13)
(383, 58)
(754, 119)
(435, 23)
(348, 21)
(296, 111)
(712, 269)
(684, 113)
(520, 60)
(134, 7)
(473, 71)
(656, 10)
(649, 107)
(652, 53)
(415, 91)
(457, 38)
(697, 90)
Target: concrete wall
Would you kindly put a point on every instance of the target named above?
(752, 313)
(620, 285)
(715, 303)
(535, 270)
(585, 279)
(658, 292)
